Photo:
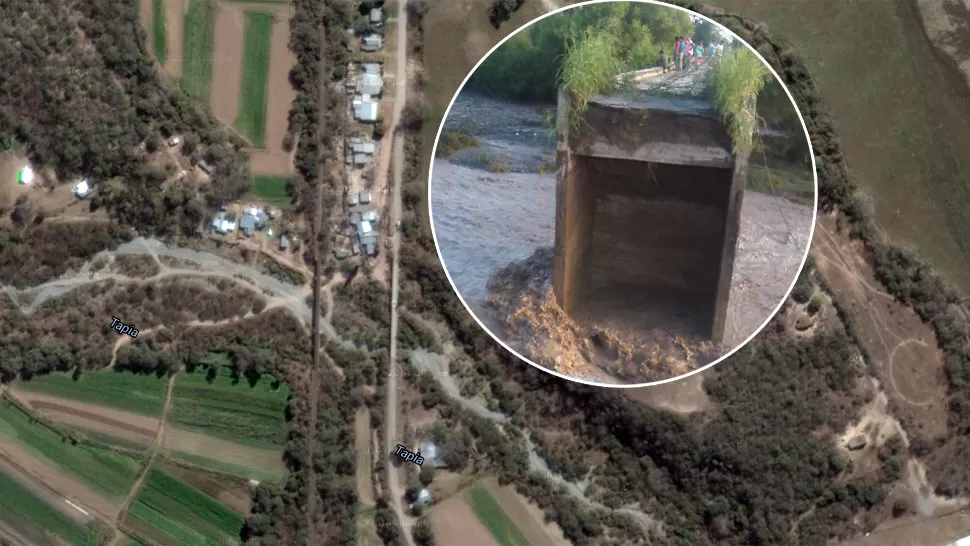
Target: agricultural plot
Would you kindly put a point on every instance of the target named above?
(159, 36)
(251, 119)
(169, 511)
(275, 190)
(199, 33)
(232, 408)
(494, 518)
(141, 394)
(105, 471)
(36, 520)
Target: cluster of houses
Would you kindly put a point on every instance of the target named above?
(367, 93)
(253, 219)
(363, 231)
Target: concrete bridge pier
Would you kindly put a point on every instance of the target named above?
(648, 203)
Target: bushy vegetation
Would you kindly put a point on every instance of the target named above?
(623, 36)
(167, 509)
(103, 470)
(138, 393)
(735, 84)
(215, 401)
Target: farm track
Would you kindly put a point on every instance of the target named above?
(390, 438)
(153, 452)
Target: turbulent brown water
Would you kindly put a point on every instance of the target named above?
(495, 232)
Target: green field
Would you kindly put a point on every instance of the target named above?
(158, 30)
(493, 518)
(197, 48)
(231, 410)
(273, 189)
(142, 394)
(254, 92)
(169, 511)
(37, 520)
(214, 464)
(104, 470)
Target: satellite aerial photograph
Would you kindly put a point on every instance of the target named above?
(230, 315)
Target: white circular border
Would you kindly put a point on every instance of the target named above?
(444, 266)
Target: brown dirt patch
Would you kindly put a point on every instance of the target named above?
(27, 465)
(281, 94)
(235, 493)
(120, 424)
(902, 348)
(227, 54)
(685, 395)
(174, 29)
(454, 522)
(55, 500)
(201, 445)
(446, 483)
(365, 463)
(527, 516)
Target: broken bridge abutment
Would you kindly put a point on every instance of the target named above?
(648, 202)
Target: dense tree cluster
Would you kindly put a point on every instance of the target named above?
(499, 11)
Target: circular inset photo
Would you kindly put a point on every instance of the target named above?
(623, 193)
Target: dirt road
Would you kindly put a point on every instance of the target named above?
(390, 437)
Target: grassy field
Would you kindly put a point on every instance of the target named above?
(197, 48)
(169, 511)
(251, 120)
(248, 472)
(493, 518)
(230, 409)
(37, 520)
(103, 470)
(158, 31)
(273, 189)
(902, 121)
(142, 394)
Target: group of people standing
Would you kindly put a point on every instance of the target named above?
(686, 53)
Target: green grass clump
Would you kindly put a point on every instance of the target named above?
(276, 190)
(104, 470)
(222, 407)
(494, 518)
(590, 67)
(736, 82)
(199, 31)
(142, 394)
(33, 517)
(171, 511)
(158, 31)
(452, 142)
(254, 93)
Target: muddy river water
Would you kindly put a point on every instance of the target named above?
(484, 220)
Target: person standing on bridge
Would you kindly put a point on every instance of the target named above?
(663, 61)
(699, 54)
(677, 45)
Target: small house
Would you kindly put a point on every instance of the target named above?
(355, 249)
(371, 42)
(369, 216)
(377, 17)
(352, 200)
(365, 109)
(431, 454)
(223, 224)
(424, 499)
(340, 254)
(365, 198)
(370, 84)
(284, 242)
(248, 224)
(206, 168)
(856, 443)
(364, 227)
(82, 189)
(25, 176)
(174, 141)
